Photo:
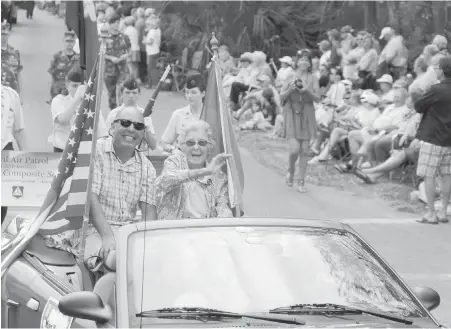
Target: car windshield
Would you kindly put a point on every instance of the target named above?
(255, 269)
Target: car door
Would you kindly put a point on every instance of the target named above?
(24, 296)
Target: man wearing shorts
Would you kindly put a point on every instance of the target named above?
(434, 133)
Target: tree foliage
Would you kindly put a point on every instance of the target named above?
(253, 25)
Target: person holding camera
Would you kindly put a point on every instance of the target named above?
(298, 96)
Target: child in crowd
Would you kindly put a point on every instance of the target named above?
(258, 120)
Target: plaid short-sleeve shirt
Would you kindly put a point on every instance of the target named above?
(121, 186)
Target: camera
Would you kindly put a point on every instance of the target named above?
(298, 83)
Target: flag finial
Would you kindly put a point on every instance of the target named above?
(214, 44)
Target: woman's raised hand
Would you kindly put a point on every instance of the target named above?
(217, 162)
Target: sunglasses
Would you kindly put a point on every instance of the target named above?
(201, 142)
(126, 123)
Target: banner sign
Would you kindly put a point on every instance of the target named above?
(26, 177)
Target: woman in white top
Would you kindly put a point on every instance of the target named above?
(370, 102)
(135, 56)
(13, 126)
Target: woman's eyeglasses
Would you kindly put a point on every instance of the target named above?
(126, 123)
(201, 142)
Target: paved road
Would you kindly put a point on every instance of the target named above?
(421, 254)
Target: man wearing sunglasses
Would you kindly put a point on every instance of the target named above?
(130, 93)
(194, 93)
(123, 180)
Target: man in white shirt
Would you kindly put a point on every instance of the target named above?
(395, 54)
(64, 109)
(130, 94)
(152, 42)
(389, 121)
(13, 126)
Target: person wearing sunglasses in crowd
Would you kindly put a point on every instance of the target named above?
(194, 93)
(130, 92)
(189, 186)
(123, 180)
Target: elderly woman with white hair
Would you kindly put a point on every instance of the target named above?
(189, 186)
(259, 68)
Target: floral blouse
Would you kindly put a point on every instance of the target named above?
(172, 188)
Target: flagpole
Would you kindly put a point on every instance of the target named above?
(214, 47)
(98, 96)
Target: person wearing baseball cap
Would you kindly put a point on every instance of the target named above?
(194, 94)
(435, 133)
(393, 58)
(286, 70)
(386, 89)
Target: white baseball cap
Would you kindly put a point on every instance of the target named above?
(387, 78)
(149, 11)
(385, 31)
(287, 60)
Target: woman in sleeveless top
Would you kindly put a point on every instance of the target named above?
(299, 116)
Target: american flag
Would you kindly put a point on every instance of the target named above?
(70, 182)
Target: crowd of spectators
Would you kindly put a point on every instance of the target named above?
(352, 101)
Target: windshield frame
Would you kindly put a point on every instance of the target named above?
(125, 232)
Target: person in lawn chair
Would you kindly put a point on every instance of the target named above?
(343, 122)
(366, 118)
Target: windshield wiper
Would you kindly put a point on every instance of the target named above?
(200, 312)
(329, 307)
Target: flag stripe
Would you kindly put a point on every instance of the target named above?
(79, 185)
(85, 148)
(80, 173)
(76, 198)
(83, 160)
(76, 212)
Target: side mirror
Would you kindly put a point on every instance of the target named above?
(428, 296)
(85, 305)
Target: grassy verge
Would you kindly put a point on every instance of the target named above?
(272, 153)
